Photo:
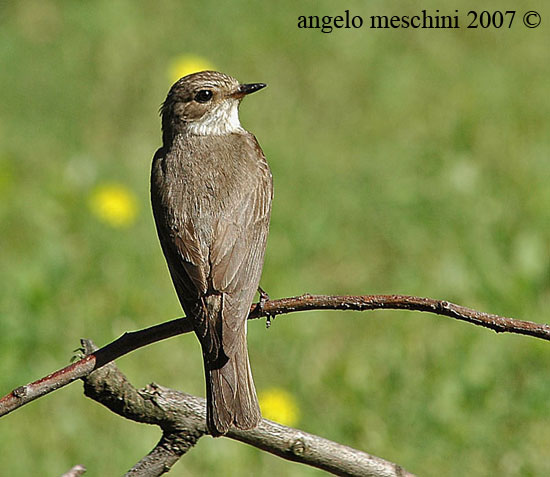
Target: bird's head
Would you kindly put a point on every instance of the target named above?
(205, 103)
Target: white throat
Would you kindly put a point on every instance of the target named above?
(223, 119)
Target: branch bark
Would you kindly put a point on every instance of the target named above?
(182, 418)
(137, 339)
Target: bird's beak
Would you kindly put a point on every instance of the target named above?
(245, 89)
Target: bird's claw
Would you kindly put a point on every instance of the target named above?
(264, 298)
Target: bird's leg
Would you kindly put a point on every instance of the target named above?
(264, 298)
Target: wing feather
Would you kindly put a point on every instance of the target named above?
(216, 282)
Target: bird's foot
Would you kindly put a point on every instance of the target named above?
(264, 298)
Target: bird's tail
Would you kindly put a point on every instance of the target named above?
(230, 394)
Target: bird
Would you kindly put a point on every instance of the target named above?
(211, 195)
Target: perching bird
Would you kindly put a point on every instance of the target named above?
(211, 191)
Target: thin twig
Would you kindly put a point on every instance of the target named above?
(125, 344)
(137, 339)
(497, 323)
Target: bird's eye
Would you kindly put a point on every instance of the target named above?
(203, 96)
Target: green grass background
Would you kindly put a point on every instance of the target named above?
(405, 161)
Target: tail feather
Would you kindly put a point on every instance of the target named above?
(230, 395)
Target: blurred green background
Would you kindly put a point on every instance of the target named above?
(405, 161)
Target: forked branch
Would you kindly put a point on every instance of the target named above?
(137, 339)
(182, 418)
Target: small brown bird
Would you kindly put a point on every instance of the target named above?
(211, 191)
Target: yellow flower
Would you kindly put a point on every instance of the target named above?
(280, 406)
(185, 65)
(114, 204)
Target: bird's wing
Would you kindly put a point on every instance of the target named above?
(179, 239)
(217, 286)
(193, 282)
(237, 256)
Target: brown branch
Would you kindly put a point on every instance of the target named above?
(182, 418)
(133, 340)
(306, 302)
(127, 343)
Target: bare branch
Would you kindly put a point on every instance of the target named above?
(137, 339)
(182, 418)
(161, 459)
(307, 302)
(299, 446)
(127, 343)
